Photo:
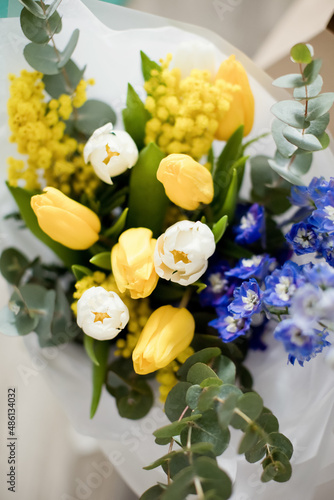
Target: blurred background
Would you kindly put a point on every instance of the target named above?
(55, 463)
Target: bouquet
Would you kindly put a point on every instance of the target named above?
(167, 271)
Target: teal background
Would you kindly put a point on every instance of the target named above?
(12, 8)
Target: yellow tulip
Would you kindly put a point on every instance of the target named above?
(241, 110)
(64, 220)
(168, 331)
(187, 183)
(132, 262)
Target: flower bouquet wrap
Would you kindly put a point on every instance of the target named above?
(183, 281)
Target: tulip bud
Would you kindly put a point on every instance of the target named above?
(187, 183)
(132, 262)
(101, 314)
(182, 252)
(168, 331)
(64, 220)
(110, 152)
(241, 111)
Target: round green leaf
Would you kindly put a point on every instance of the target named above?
(311, 71)
(225, 411)
(283, 145)
(250, 438)
(192, 396)
(176, 401)
(251, 404)
(300, 53)
(55, 85)
(92, 115)
(307, 142)
(289, 81)
(282, 443)
(257, 452)
(290, 112)
(39, 30)
(319, 105)
(202, 356)
(199, 372)
(12, 265)
(288, 175)
(319, 125)
(207, 430)
(310, 91)
(137, 402)
(42, 58)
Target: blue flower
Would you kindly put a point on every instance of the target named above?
(304, 307)
(301, 197)
(282, 284)
(326, 247)
(229, 326)
(247, 299)
(323, 217)
(301, 344)
(319, 187)
(219, 288)
(257, 266)
(321, 274)
(251, 226)
(303, 238)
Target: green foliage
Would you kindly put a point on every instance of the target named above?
(219, 228)
(201, 411)
(89, 344)
(55, 85)
(92, 115)
(99, 373)
(102, 260)
(135, 116)
(147, 65)
(39, 30)
(115, 230)
(134, 397)
(81, 271)
(300, 124)
(147, 199)
(13, 265)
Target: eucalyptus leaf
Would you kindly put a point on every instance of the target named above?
(207, 399)
(290, 112)
(301, 164)
(225, 410)
(135, 116)
(290, 81)
(225, 369)
(66, 54)
(281, 442)
(34, 8)
(283, 466)
(285, 173)
(319, 125)
(181, 485)
(147, 199)
(319, 105)
(192, 395)
(325, 140)
(300, 53)
(307, 142)
(199, 372)
(99, 373)
(39, 30)
(309, 91)
(257, 452)
(311, 71)
(268, 422)
(55, 85)
(42, 58)
(176, 401)
(13, 265)
(250, 438)
(283, 145)
(207, 429)
(202, 356)
(147, 65)
(102, 260)
(52, 8)
(212, 478)
(92, 115)
(175, 428)
(261, 174)
(153, 493)
(14, 325)
(136, 402)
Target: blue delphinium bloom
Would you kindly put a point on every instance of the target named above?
(304, 307)
(251, 227)
(302, 238)
(319, 187)
(323, 217)
(301, 344)
(219, 288)
(229, 326)
(326, 247)
(247, 299)
(321, 274)
(300, 197)
(257, 266)
(282, 284)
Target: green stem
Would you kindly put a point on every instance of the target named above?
(186, 298)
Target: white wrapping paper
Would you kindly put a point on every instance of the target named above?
(301, 398)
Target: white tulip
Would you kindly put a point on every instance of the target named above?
(101, 314)
(182, 252)
(110, 152)
(195, 54)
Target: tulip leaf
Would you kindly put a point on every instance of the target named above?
(22, 198)
(55, 85)
(147, 200)
(99, 373)
(135, 116)
(219, 228)
(89, 343)
(102, 260)
(223, 172)
(39, 30)
(230, 202)
(118, 227)
(13, 264)
(81, 271)
(147, 65)
(92, 115)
